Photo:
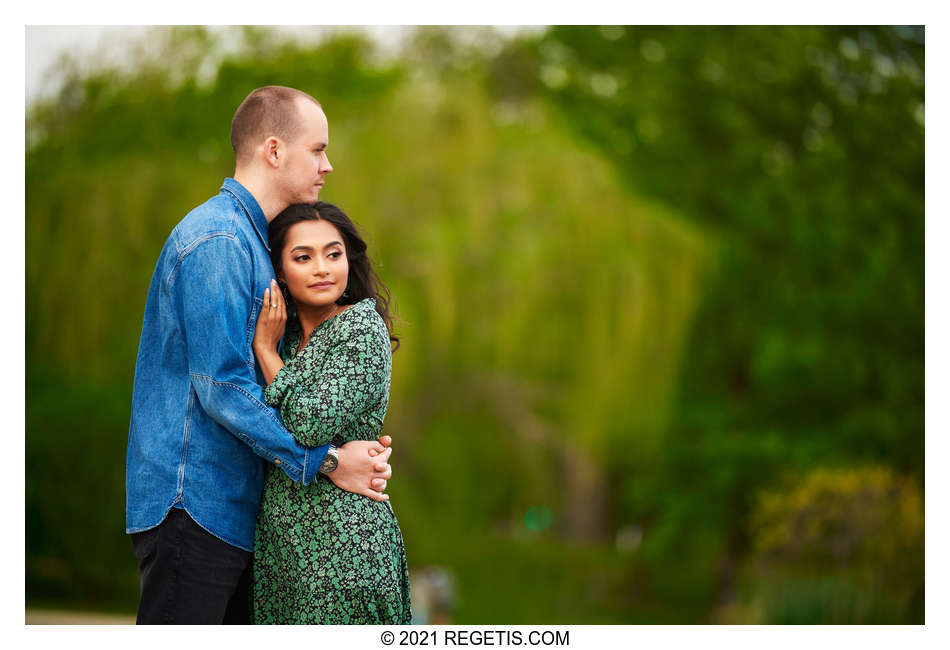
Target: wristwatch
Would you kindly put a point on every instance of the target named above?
(330, 461)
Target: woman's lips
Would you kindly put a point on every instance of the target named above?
(320, 285)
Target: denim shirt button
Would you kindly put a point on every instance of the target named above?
(277, 461)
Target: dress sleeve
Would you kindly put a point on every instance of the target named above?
(316, 404)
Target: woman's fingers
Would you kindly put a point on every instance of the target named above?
(271, 319)
(281, 303)
(277, 304)
(264, 306)
(273, 308)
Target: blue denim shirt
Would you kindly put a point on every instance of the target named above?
(200, 433)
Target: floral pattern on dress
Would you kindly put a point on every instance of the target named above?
(321, 554)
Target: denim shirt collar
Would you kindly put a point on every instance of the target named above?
(251, 207)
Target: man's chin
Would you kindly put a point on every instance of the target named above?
(310, 197)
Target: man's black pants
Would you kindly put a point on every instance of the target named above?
(189, 576)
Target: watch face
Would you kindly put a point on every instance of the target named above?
(329, 463)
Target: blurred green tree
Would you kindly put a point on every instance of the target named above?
(800, 149)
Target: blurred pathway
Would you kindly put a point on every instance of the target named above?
(54, 617)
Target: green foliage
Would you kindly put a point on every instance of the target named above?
(801, 148)
(841, 546)
(775, 139)
(75, 507)
(644, 275)
(840, 517)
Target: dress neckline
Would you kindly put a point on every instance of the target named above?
(297, 348)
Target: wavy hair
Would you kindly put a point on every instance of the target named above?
(362, 282)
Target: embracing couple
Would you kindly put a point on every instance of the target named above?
(256, 472)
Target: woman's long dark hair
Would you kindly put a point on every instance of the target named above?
(362, 281)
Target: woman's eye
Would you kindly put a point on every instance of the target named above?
(335, 254)
(302, 258)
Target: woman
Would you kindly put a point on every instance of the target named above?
(321, 554)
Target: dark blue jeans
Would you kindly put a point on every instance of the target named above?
(189, 576)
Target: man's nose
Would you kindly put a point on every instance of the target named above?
(326, 167)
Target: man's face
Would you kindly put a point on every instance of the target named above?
(305, 163)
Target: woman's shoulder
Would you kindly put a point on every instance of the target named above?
(361, 317)
(363, 310)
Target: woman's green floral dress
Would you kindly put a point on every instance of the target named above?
(321, 554)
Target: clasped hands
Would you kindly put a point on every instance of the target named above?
(362, 459)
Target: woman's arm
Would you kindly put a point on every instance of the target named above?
(353, 378)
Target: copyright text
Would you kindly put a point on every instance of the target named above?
(459, 638)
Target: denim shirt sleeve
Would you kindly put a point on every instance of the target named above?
(212, 288)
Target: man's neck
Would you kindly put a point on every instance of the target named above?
(260, 189)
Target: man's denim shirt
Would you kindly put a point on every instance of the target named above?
(200, 435)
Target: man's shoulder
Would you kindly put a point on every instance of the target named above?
(218, 216)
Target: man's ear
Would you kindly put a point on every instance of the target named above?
(273, 150)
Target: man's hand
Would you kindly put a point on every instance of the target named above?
(379, 484)
(363, 467)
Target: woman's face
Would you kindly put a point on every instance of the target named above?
(314, 262)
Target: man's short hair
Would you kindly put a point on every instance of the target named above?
(267, 111)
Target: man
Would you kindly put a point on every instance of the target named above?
(200, 434)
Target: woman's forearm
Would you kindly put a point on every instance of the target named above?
(269, 362)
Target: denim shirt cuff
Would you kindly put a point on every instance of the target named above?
(312, 462)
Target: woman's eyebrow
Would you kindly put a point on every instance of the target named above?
(332, 243)
(302, 247)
